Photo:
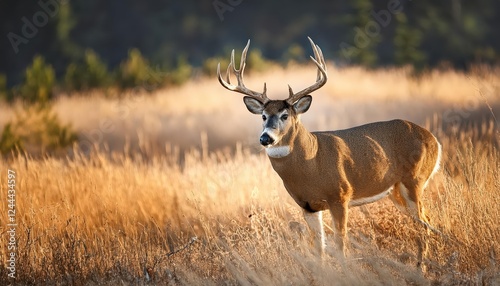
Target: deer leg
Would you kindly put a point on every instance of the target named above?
(315, 222)
(407, 198)
(339, 215)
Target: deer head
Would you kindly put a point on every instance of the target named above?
(279, 116)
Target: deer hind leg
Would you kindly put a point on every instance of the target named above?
(339, 216)
(315, 222)
(407, 199)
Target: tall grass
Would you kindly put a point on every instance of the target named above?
(160, 215)
(225, 218)
(352, 96)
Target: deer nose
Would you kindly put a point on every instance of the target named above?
(265, 139)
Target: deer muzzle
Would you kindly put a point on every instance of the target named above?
(266, 139)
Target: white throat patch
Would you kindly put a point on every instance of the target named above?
(278, 151)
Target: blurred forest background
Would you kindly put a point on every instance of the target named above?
(168, 35)
(54, 48)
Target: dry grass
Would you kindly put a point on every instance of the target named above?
(351, 97)
(129, 214)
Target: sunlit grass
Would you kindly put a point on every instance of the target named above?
(352, 96)
(102, 218)
(151, 213)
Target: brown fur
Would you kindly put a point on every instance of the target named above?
(327, 170)
(344, 165)
(335, 169)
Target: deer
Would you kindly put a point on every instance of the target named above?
(336, 170)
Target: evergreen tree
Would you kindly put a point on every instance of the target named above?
(406, 43)
(38, 82)
(365, 35)
(92, 73)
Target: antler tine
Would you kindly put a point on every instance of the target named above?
(243, 59)
(314, 48)
(262, 97)
(228, 78)
(321, 76)
(232, 62)
(318, 59)
(321, 61)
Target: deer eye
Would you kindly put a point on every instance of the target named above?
(284, 117)
(264, 117)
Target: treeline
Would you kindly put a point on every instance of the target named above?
(40, 82)
(37, 130)
(96, 43)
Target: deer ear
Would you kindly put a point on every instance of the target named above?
(302, 105)
(253, 105)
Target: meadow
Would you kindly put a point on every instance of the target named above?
(171, 187)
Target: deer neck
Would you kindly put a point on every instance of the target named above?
(298, 144)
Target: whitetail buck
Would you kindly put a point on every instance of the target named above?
(336, 170)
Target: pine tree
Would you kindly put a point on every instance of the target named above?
(406, 43)
(366, 34)
(38, 82)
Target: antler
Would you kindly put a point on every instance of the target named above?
(320, 79)
(262, 97)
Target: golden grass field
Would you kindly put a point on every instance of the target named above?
(172, 188)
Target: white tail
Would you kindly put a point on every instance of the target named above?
(334, 170)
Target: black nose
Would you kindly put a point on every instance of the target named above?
(265, 140)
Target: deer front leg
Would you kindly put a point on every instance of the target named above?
(315, 222)
(339, 216)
